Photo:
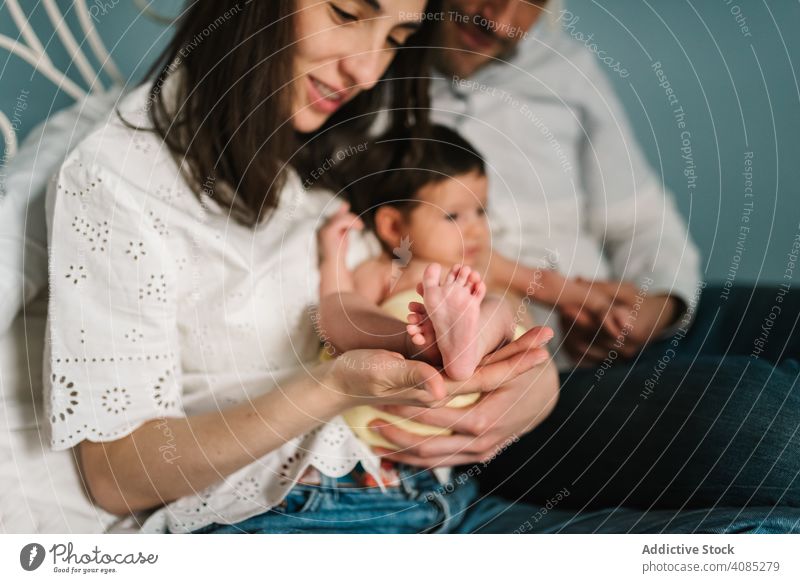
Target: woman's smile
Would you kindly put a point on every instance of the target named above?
(325, 98)
(343, 48)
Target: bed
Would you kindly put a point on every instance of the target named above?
(41, 490)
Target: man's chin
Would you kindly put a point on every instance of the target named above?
(461, 64)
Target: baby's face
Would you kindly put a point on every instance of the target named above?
(449, 224)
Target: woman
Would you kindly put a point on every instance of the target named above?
(183, 262)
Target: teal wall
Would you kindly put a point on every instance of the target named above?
(739, 93)
(133, 40)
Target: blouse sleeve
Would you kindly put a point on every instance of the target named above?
(111, 361)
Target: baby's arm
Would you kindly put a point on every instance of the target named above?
(334, 276)
(543, 285)
(349, 316)
(351, 319)
(546, 286)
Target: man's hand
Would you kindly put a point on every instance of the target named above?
(481, 430)
(625, 326)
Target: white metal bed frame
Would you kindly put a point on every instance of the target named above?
(29, 48)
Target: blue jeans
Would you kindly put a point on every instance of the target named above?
(422, 505)
(706, 420)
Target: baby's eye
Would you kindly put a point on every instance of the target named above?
(482, 212)
(452, 217)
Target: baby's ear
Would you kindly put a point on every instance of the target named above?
(389, 225)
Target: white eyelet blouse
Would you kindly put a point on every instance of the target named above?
(161, 306)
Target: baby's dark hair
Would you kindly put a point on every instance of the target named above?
(392, 169)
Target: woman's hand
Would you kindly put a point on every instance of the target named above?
(522, 387)
(380, 377)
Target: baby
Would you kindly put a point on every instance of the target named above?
(425, 200)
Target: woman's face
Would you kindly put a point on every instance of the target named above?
(343, 48)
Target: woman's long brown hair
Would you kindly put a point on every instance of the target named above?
(227, 119)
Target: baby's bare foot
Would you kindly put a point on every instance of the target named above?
(453, 308)
(422, 335)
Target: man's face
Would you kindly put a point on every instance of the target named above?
(476, 31)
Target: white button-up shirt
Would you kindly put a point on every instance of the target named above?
(569, 185)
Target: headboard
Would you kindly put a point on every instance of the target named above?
(91, 78)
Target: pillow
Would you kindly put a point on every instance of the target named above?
(23, 232)
(40, 490)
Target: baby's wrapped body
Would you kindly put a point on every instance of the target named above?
(360, 418)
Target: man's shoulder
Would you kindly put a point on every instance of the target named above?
(559, 59)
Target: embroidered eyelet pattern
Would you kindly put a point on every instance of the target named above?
(130, 358)
(166, 193)
(65, 396)
(159, 225)
(79, 434)
(155, 289)
(205, 339)
(76, 274)
(161, 393)
(326, 466)
(116, 400)
(247, 490)
(135, 250)
(134, 336)
(334, 436)
(96, 236)
(142, 143)
(83, 191)
(288, 466)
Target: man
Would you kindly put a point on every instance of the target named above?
(658, 412)
(570, 188)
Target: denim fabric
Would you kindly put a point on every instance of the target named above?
(700, 421)
(422, 505)
(711, 428)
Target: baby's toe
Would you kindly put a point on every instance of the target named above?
(479, 291)
(463, 275)
(418, 340)
(452, 275)
(432, 276)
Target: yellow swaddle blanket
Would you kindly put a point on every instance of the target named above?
(359, 418)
